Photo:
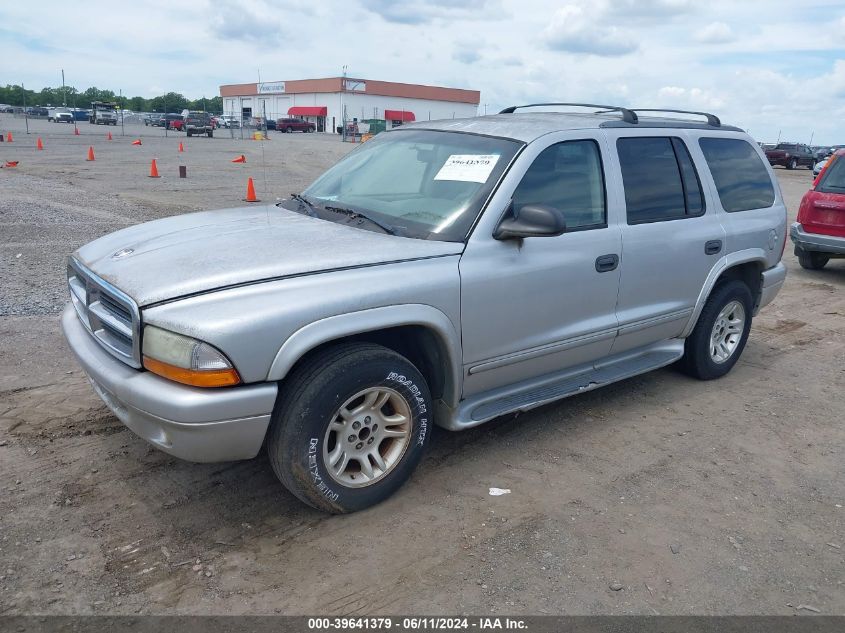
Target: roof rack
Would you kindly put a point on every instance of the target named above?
(712, 119)
(629, 116)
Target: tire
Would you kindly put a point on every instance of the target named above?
(792, 164)
(811, 260)
(288, 129)
(211, 134)
(189, 133)
(300, 442)
(699, 359)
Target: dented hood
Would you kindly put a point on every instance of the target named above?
(198, 252)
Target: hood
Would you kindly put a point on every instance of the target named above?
(198, 252)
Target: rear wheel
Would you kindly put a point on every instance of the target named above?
(792, 164)
(350, 426)
(289, 129)
(719, 337)
(811, 260)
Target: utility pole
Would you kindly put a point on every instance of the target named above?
(342, 110)
(25, 115)
(120, 99)
(64, 90)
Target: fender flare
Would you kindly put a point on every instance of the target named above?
(729, 261)
(337, 327)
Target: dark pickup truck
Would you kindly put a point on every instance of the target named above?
(791, 155)
(198, 123)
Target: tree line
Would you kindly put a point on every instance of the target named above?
(73, 98)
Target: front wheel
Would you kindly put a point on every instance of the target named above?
(350, 426)
(719, 337)
(792, 164)
(811, 260)
(289, 129)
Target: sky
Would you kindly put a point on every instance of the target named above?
(774, 68)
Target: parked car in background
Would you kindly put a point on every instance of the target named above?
(294, 125)
(791, 155)
(6, 108)
(337, 330)
(80, 115)
(819, 232)
(196, 122)
(230, 121)
(63, 115)
(817, 168)
(148, 119)
(170, 121)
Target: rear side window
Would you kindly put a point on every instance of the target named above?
(833, 180)
(741, 178)
(660, 179)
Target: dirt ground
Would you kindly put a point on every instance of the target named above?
(721, 497)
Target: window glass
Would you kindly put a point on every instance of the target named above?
(741, 178)
(833, 180)
(689, 178)
(652, 179)
(567, 176)
(429, 184)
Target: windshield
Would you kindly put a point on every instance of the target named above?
(424, 183)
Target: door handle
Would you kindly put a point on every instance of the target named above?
(712, 247)
(606, 263)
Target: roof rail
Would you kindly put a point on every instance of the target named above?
(629, 116)
(712, 119)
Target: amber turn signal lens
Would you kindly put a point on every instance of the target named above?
(195, 378)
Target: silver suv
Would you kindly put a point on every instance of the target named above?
(446, 273)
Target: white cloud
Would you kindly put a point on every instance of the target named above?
(715, 33)
(578, 30)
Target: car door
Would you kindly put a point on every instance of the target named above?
(542, 305)
(671, 240)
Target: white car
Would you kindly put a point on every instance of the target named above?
(817, 168)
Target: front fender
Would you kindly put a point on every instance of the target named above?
(337, 327)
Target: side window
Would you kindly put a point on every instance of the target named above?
(660, 179)
(569, 177)
(741, 178)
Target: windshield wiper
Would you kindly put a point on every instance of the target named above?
(304, 202)
(355, 215)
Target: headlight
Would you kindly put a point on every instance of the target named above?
(186, 360)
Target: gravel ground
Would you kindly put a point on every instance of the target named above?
(659, 494)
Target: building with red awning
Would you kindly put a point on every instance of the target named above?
(329, 102)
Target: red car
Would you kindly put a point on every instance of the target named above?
(819, 233)
(295, 125)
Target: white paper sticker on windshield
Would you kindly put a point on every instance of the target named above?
(468, 167)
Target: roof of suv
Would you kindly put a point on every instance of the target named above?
(529, 126)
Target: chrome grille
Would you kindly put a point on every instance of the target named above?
(109, 314)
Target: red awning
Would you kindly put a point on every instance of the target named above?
(308, 111)
(399, 115)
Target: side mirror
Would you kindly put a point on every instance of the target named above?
(533, 220)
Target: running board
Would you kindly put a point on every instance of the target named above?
(529, 395)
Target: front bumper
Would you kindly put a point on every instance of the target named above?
(772, 282)
(816, 241)
(198, 425)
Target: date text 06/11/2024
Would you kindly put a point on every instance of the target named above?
(416, 624)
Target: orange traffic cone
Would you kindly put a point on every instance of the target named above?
(76, 131)
(109, 137)
(239, 159)
(90, 153)
(136, 142)
(11, 163)
(39, 144)
(250, 192)
(154, 169)
(9, 138)
(181, 148)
